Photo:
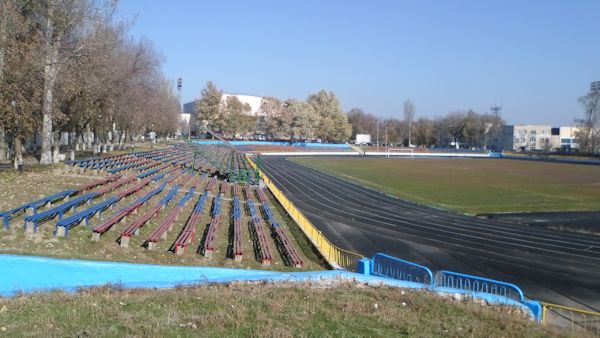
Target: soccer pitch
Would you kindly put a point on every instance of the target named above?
(473, 185)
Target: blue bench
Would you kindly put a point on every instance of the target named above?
(268, 213)
(6, 216)
(216, 210)
(62, 226)
(82, 161)
(170, 195)
(148, 173)
(31, 222)
(118, 169)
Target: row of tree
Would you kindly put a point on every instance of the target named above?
(464, 129)
(320, 117)
(68, 67)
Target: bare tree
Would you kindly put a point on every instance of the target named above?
(409, 115)
(590, 123)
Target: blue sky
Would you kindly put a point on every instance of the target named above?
(534, 57)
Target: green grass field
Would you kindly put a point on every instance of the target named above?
(474, 185)
(262, 310)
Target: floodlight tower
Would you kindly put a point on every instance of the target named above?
(496, 109)
(595, 86)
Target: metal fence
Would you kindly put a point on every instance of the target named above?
(336, 257)
(576, 321)
(478, 284)
(388, 266)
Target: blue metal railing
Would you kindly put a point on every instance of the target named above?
(471, 283)
(388, 266)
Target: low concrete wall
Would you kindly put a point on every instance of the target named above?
(311, 153)
(36, 274)
(407, 154)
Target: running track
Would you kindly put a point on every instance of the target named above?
(549, 265)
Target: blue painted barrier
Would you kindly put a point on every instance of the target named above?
(465, 282)
(276, 143)
(493, 291)
(72, 274)
(392, 267)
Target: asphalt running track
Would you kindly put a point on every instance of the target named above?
(549, 265)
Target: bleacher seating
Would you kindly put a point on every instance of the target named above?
(237, 248)
(209, 240)
(100, 182)
(64, 225)
(262, 251)
(33, 206)
(121, 182)
(285, 245)
(161, 231)
(31, 222)
(134, 227)
(121, 214)
(188, 234)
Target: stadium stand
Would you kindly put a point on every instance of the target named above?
(134, 227)
(166, 225)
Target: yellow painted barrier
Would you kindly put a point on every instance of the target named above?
(575, 320)
(336, 257)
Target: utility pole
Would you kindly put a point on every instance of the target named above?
(378, 134)
(386, 136)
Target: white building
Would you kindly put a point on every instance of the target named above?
(530, 137)
(539, 138)
(183, 127)
(568, 138)
(253, 101)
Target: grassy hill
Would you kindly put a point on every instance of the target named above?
(264, 310)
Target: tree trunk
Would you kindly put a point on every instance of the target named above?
(3, 145)
(50, 72)
(18, 152)
(3, 36)
(95, 145)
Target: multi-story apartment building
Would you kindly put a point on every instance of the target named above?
(539, 138)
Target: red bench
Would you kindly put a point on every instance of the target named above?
(208, 248)
(291, 255)
(161, 231)
(99, 183)
(134, 228)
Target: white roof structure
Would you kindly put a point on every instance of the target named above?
(253, 101)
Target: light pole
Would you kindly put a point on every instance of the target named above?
(378, 134)
(386, 136)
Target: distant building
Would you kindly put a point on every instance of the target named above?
(507, 137)
(363, 138)
(568, 138)
(188, 108)
(253, 101)
(538, 138)
(532, 137)
(183, 126)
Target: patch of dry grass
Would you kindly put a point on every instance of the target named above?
(265, 310)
